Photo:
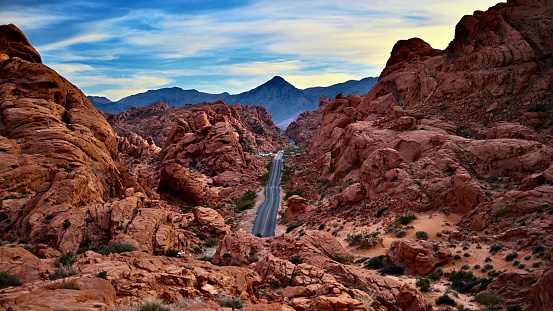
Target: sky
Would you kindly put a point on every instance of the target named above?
(118, 48)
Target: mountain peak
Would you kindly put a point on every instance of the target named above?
(277, 80)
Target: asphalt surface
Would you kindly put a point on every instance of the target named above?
(265, 221)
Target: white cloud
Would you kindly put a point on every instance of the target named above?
(82, 38)
(264, 68)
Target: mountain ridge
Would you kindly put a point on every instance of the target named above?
(270, 94)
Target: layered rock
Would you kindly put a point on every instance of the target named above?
(206, 149)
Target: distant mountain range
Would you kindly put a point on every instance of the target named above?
(283, 100)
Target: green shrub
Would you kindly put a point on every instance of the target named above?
(514, 308)
(490, 300)
(230, 303)
(341, 258)
(62, 272)
(153, 305)
(445, 300)
(246, 201)
(495, 248)
(392, 270)
(293, 225)
(66, 224)
(102, 274)
(292, 192)
(7, 280)
(405, 219)
(171, 253)
(401, 234)
(374, 263)
(465, 267)
(494, 273)
(380, 212)
(211, 242)
(423, 284)
(421, 235)
(364, 240)
(227, 257)
(118, 247)
(439, 234)
(510, 256)
(465, 276)
(66, 259)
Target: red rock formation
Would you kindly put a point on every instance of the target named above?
(211, 138)
(297, 207)
(418, 258)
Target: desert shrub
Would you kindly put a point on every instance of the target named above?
(253, 254)
(477, 266)
(514, 308)
(197, 250)
(341, 258)
(405, 219)
(457, 257)
(230, 303)
(527, 257)
(495, 248)
(439, 234)
(445, 300)
(380, 212)
(536, 264)
(537, 249)
(521, 266)
(540, 107)
(246, 201)
(66, 224)
(293, 225)
(423, 284)
(66, 259)
(510, 256)
(153, 305)
(465, 276)
(490, 300)
(422, 235)
(391, 270)
(296, 259)
(484, 282)
(292, 192)
(516, 262)
(211, 242)
(364, 240)
(494, 273)
(374, 263)
(118, 247)
(7, 280)
(171, 253)
(321, 226)
(62, 272)
(102, 274)
(401, 234)
(465, 267)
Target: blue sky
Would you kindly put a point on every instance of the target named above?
(118, 48)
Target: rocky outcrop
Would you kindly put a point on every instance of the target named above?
(307, 124)
(297, 207)
(540, 296)
(59, 155)
(206, 149)
(417, 257)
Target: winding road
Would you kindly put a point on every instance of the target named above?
(265, 221)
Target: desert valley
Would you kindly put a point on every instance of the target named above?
(429, 188)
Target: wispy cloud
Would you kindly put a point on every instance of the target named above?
(233, 46)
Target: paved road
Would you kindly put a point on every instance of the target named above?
(265, 221)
